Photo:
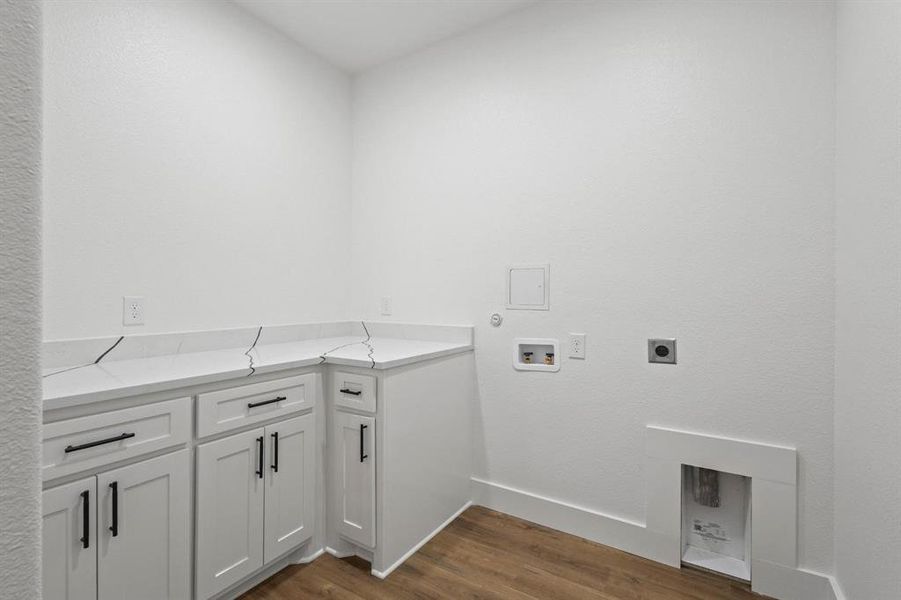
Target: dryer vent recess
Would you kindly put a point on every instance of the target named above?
(662, 350)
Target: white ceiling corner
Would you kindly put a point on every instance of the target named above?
(355, 35)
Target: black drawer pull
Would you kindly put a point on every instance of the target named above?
(118, 438)
(274, 464)
(260, 444)
(362, 456)
(265, 402)
(351, 392)
(86, 518)
(114, 528)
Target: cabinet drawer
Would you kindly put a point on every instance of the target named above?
(354, 391)
(89, 442)
(239, 406)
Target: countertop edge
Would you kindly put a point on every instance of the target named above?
(71, 401)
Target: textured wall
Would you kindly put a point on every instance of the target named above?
(868, 309)
(20, 298)
(193, 156)
(673, 161)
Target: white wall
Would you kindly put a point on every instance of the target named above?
(868, 319)
(674, 164)
(195, 157)
(20, 299)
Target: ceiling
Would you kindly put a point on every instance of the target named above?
(358, 34)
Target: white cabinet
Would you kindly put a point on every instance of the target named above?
(90, 443)
(354, 461)
(255, 500)
(354, 391)
(237, 407)
(143, 520)
(120, 534)
(69, 541)
(229, 510)
(290, 486)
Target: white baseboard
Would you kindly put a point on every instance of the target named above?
(783, 583)
(583, 522)
(836, 588)
(309, 558)
(787, 583)
(337, 554)
(423, 542)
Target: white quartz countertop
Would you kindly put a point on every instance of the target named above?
(108, 378)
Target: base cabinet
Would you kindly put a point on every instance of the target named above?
(290, 509)
(354, 461)
(125, 532)
(69, 541)
(255, 500)
(120, 534)
(143, 516)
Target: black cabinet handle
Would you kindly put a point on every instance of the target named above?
(351, 392)
(115, 526)
(86, 518)
(362, 456)
(118, 438)
(260, 444)
(265, 402)
(275, 452)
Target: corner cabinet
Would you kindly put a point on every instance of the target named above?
(399, 457)
(120, 534)
(255, 500)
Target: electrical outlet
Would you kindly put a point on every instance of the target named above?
(577, 345)
(132, 310)
(386, 305)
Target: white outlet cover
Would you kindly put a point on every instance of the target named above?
(132, 310)
(576, 347)
(386, 305)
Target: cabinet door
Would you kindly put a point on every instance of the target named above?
(290, 485)
(229, 512)
(143, 521)
(69, 538)
(355, 465)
